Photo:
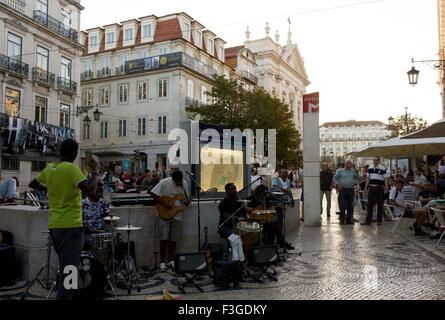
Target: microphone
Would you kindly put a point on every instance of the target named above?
(189, 173)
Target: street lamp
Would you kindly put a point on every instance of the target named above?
(413, 76)
(87, 121)
(96, 114)
(390, 120)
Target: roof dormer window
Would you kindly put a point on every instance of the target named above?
(198, 39)
(128, 34)
(93, 44)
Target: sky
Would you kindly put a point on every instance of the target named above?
(357, 52)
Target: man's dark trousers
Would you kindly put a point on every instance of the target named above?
(346, 201)
(375, 197)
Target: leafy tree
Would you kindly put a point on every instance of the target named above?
(406, 124)
(234, 107)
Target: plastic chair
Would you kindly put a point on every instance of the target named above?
(441, 218)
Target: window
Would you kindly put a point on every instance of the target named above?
(123, 93)
(198, 38)
(105, 64)
(163, 88)
(14, 47)
(104, 96)
(10, 164)
(86, 131)
(142, 91)
(93, 44)
(123, 60)
(122, 128)
(38, 166)
(162, 51)
(204, 94)
(147, 31)
(162, 125)
(187, 30)
(110, 39)
(142, 124)
(210, 46)
(221, 53)
(65, 71)
(42, 5)
(142, 54)
(87, 97)
(64, 116)
(128, 34)
(104, 130)
(190, 89)
(42, 58)
(66, 17)
(12, 102)
(88, 65)
(40, 112)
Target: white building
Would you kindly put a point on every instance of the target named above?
(278, 69)
(40, 57)
(338, 139)
(141, 74)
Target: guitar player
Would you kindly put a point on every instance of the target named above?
(170, 231)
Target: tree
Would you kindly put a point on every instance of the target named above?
(406, 124)
(236, 108)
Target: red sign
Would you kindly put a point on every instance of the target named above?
(311, 103)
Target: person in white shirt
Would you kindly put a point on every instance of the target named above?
(170, 232)
(419, 179)
(403, 209)
(255, 179)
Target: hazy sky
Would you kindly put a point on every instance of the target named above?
(357, 52)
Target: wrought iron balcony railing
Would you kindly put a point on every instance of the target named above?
(67, 85)
(190, 102)
(86, 75)
(43, 76)
(249, 76)
(104, 73)
(55, 25)
(11, 65)
(15, 4)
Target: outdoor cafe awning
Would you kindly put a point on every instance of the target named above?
(436, 130)
(398, 147)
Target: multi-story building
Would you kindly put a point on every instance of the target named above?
(338, 139)
(141, 74)
(40, 56)
(278, 69)
(441, 24)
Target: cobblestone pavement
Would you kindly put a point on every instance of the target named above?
(337, 262)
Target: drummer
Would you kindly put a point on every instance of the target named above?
(228, 206)
(94, 209)
(258, 201)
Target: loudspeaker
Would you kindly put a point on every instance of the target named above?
(7, 263)
(227, 272)
(194, 263)
(6, 238)
(262, 256)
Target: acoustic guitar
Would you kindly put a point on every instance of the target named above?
(177, 203)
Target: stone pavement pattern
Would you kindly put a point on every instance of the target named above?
(334, 264)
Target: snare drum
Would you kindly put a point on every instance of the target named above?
(250, 233)
(101, 247)
(264, 216)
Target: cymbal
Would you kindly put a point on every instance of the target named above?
(129, 228)
(245, 201)
(111, 218)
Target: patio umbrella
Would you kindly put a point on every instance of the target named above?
(397, 147)
(436, 130)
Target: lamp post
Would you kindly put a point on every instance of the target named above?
(87, 121)
(413, 76)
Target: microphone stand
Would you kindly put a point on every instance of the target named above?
(250, 184)
(198, 189)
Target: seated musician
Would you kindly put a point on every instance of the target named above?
(227, 207)
(170, 232)
(259, 201)
(94, 209)
(282, 184)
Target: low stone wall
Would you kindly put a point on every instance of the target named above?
(27, 224)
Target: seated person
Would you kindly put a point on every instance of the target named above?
(428, 193)
(409, 190)
(8, 191)
(228, 206)
(402, 209)
(94, 209)
(435, 226)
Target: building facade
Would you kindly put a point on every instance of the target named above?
(40, 58)
(338, 139)
(141, 75)
(278, 69)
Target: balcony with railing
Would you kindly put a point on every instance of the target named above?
(67, 85)
(190, 102)
(104, 73)
(86, 75)
(16, 5)
(249, 76)
(55, 25)
(11, 65)
(44, 77)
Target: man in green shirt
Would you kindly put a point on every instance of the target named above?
(64, 183)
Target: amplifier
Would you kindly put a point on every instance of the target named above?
(193, 263)
(7, 265)
(227, 272)
(145, 201)
(262, 256)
